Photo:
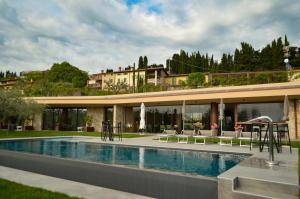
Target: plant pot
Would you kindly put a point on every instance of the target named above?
(90, 129)
(29, 128)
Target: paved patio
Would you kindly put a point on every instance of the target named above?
(232, 183)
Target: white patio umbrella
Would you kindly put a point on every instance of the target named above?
(183, 114)
(285, 108)
(221, 114)
(142, 115)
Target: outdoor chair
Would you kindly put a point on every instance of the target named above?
(184, 136)
(80, 129)
(19, 128)
(227, 135)
(282, 131)
(166, 134)
(203, 134)
(117, 131)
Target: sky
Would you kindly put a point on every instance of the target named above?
(99, 34)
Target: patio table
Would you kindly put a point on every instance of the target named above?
(262, 139)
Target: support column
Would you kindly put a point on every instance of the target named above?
(293, 117)
(235, 114)
(297, 118)
(118, 116)
(97, 114)
(155, 77)
(37, 121)
(214, 113)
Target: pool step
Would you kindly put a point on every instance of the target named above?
(248, 188)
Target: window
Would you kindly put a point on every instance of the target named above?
(250, 111)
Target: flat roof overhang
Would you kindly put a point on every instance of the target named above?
(230, 94)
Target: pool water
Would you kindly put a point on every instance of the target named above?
(188, 162)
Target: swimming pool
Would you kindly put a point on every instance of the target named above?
(187, 162)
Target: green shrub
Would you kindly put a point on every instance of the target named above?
(280, 77)
(195, 79)
(261, 78)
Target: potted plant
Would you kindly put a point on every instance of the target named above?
(89, 123)
(129, 127)
(28, 125)
(214, 129)
(238, 130)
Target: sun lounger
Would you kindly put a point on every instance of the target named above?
(166, 134)
(203, 134)
(227, 135)
(245, 137)
(184, 137)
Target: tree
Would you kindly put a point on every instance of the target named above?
(65, 72)
(286, 42)
(116, 87)
(141, 63)
(133, 79)
(14, 109)
(145, 67)
(145, 62)
(195, 79)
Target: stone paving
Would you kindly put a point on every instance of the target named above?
(286, 172)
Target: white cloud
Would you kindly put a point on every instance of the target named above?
(93, 34)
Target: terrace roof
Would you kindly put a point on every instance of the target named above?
(230, 94)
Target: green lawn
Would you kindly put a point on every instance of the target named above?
(11, 190)
(20, 134)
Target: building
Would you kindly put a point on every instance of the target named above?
(8, 83)
(163, 109)
(155, 76)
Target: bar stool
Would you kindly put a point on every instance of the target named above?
(283, 131)
(117, 131)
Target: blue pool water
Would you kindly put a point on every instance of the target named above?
(189, 162)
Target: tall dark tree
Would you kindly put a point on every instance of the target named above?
(286, 42)
(133, 78)
(141, 63)
(145, 62)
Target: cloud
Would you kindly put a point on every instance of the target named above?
(95, 34)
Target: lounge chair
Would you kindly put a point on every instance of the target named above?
(227, 135)
(246, 136)
(166, 134)
(203, 134)
(184, 136)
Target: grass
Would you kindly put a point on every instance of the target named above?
(24, 134)
(12, 190)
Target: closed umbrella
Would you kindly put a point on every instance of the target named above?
(183, 114)
(286, 109)
(142, 115)
(221, 114)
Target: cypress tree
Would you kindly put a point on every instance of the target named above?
(141, 63)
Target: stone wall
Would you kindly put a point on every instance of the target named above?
(293, 117)
(119, 116)
(98, 116)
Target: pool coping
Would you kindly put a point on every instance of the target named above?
(238, 170)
